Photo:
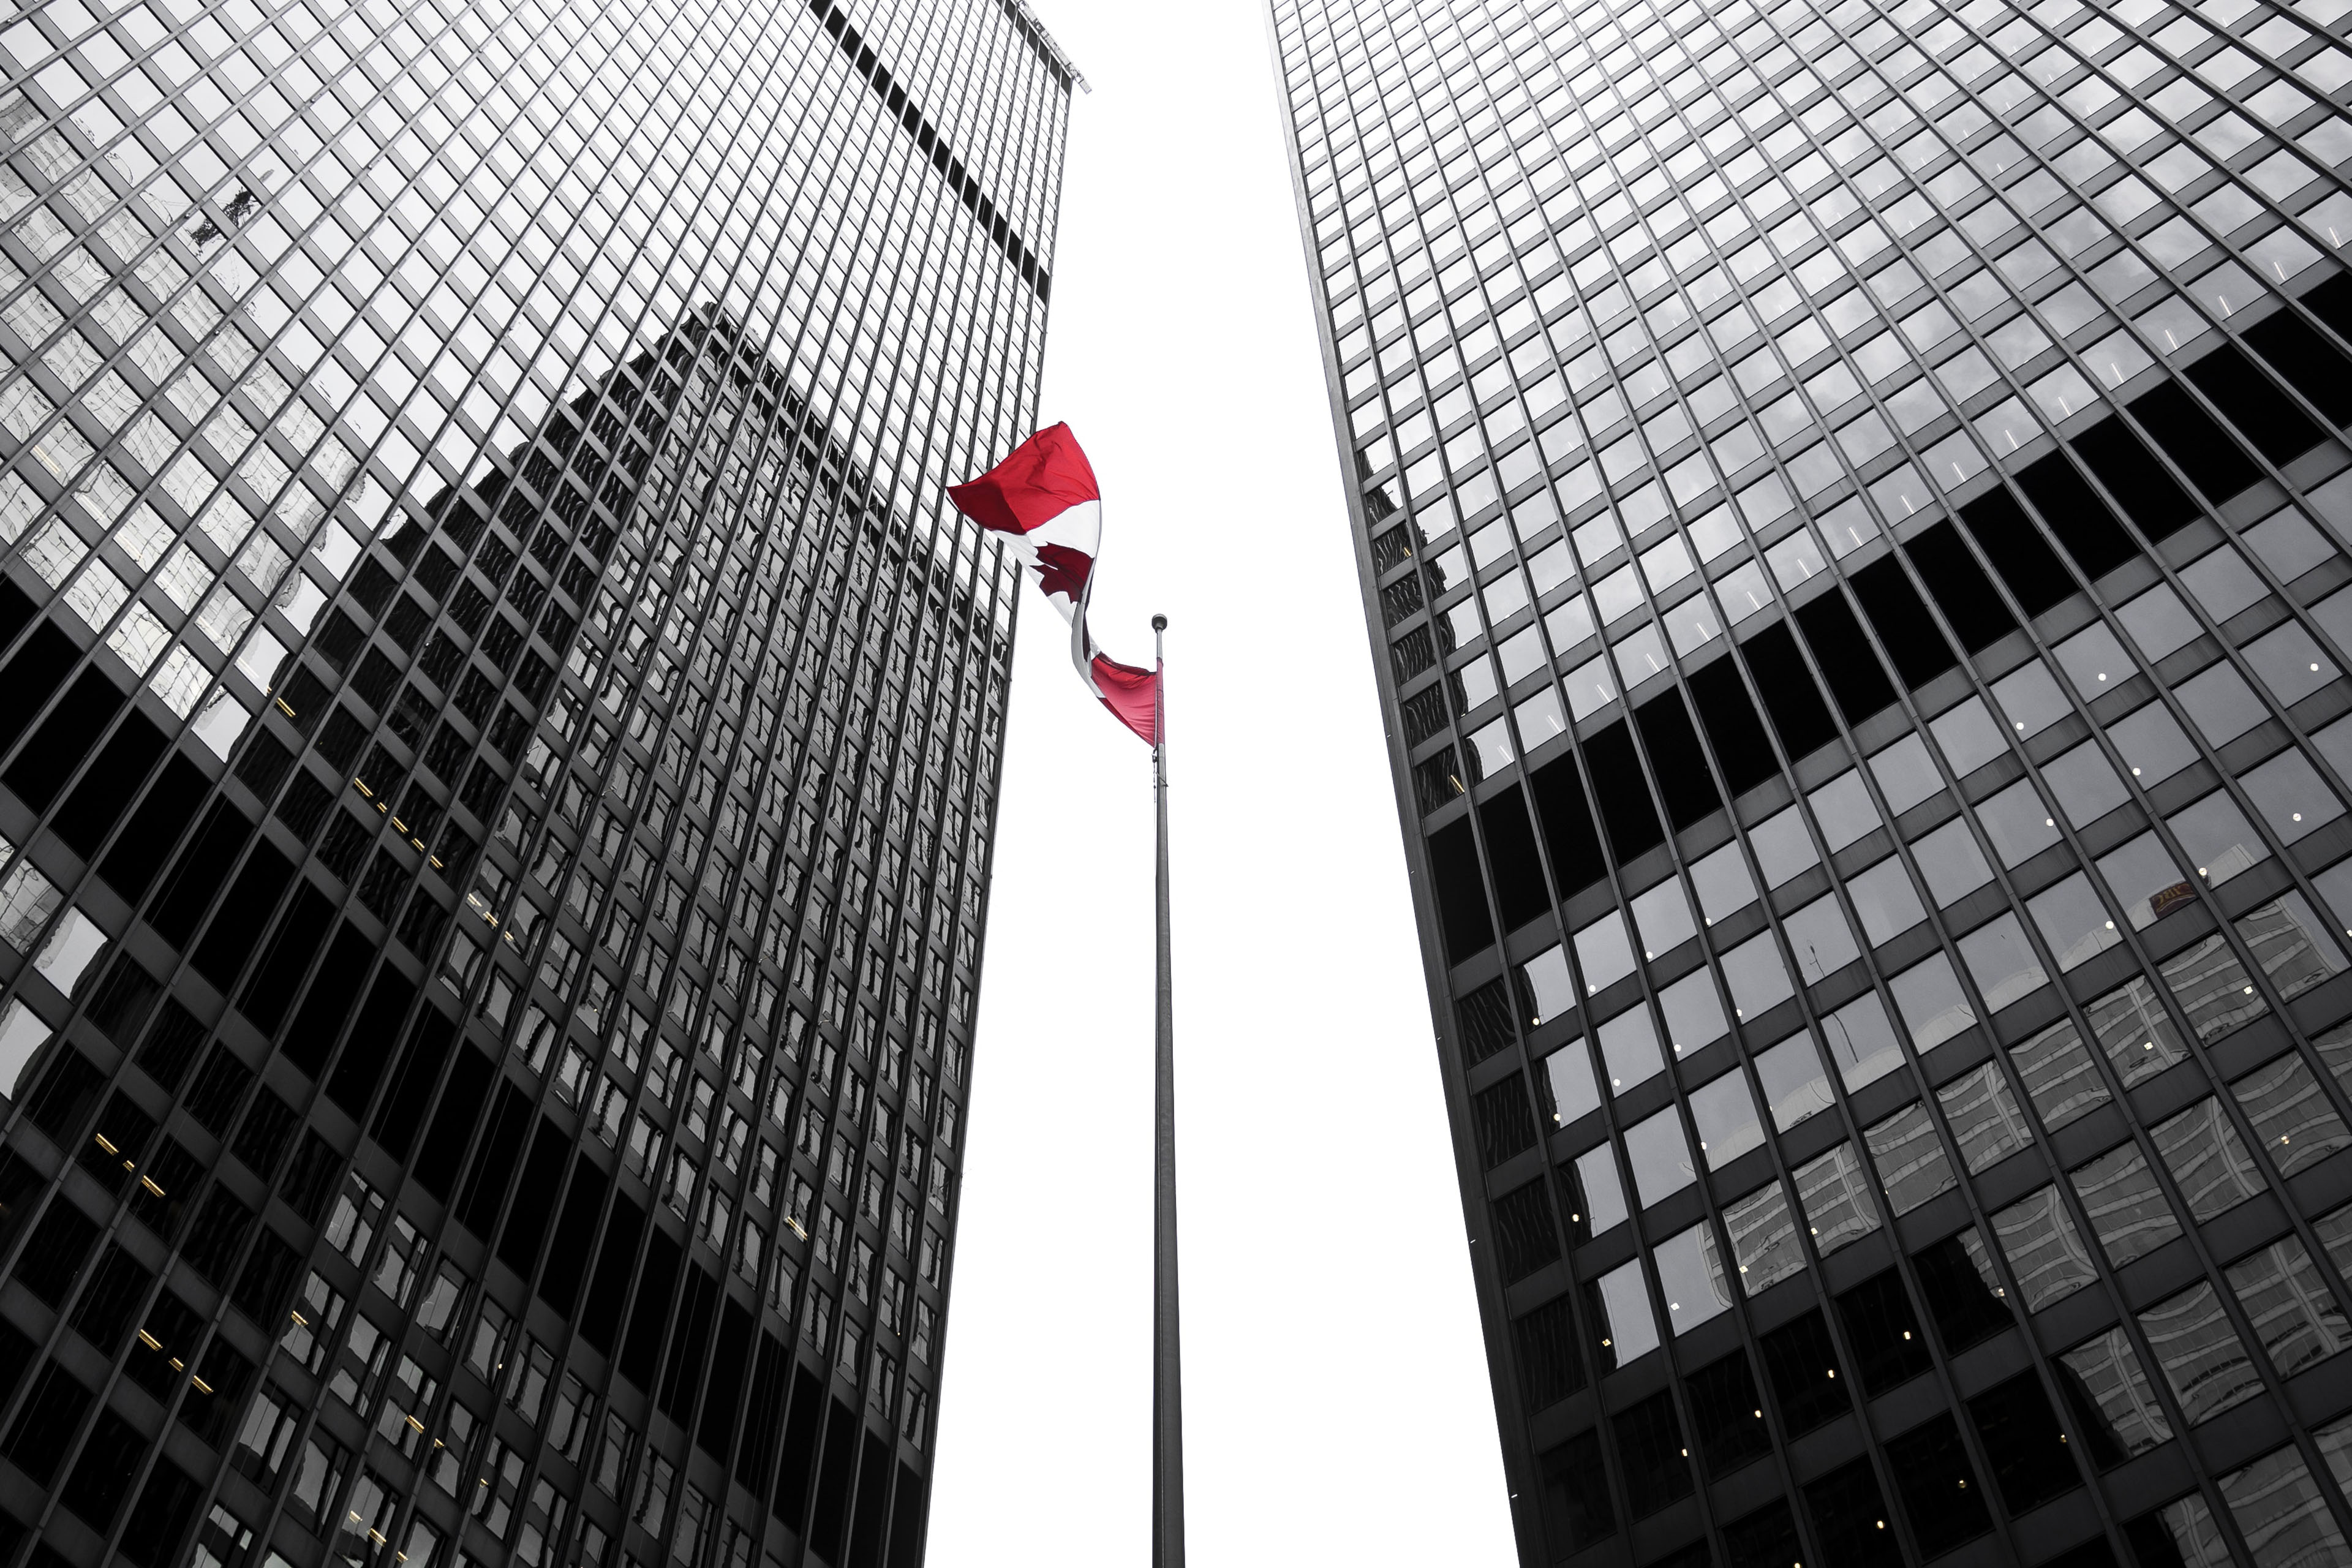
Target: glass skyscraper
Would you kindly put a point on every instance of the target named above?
(1853, 508)
(499, 740)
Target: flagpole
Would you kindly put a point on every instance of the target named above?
(1167, 1348)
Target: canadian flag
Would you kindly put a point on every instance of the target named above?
(1044, 502)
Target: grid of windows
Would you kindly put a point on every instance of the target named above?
(498, 765)
(1854, 515)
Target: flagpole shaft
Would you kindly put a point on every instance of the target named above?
(1167, 1344)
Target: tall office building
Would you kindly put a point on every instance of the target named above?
(1854, 512)
(500, 741)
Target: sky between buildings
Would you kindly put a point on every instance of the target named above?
(1337, 1402)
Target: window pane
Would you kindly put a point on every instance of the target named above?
(2030, 698)
(2208, 1160)
(1783, 848)
(1843, 809)
(1933, 1006)
(2136, 1032)
(2154, 745)
(2222, 583)
(1629, 1049)
(1568, 1074)
(2045, 1250)
(2017, 822)
(2288, 660)
(2290, 798)
(1659, 1156)
(1969, 736)
(1862, 1041)
(1985, 1117)
(1820, 939)
(2084, 783)
(1758, 980)
(1763, 1238)
(1694, 1013)
(2280, 1510)
(1794, 1082)
(2094, 661)
(1910, 1158)
(1906, 773)
(2199, 1354)
(2110, 1372)
(2060, 1077)
(1834, 1192)
(1628, 1331)
(2003, 963)
(2142, 878)
(2220, 704)
(1604, 1190)
(2335, 886)
(1722, 883)
(1951, 862)
(2127, 1208)
(2073, 920)
(1545, 987)
(1604, 953)
(2158, 622)
(2292, 1116)
(1884, 902)
(1723, 1112)
(1691, 1274)
(1662, 916)
(2296, 1318)
(2291, 944)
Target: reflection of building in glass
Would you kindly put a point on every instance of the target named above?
(499, 740)
(1853, 513)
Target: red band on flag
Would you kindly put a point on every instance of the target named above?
(1046, 476)
(1132, 695)
(1043, 502)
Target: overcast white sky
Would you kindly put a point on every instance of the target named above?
(1336, 1397)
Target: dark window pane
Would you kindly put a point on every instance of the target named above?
(1850, 1515)
(1802, 1364)
(1728, 1413)
(1650, 1445)
(1940, 1493)
(1576, 1508)
(1889, 1341)
(2024, 1442)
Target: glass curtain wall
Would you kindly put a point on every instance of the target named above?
(498, 760)
(1853, 505)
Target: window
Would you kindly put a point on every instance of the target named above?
(2199, 1354)
(266, 1436)
(312, 1324)
(2128, 1209)
(318, 1475)
(1725, 1114)
(1833, 1190)
(2125, 1417)
(2292, 1116)
(1912, 1166)
(1800, 1363)
(2295, 1316)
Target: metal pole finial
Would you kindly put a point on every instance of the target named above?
(1159, 623)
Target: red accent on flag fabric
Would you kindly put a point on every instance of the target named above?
(1062, 570)
(1133, 696)
(1047, 480)
(1046, 476)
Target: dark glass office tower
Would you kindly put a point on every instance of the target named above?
(1853, 507)
(498, 738)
